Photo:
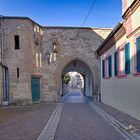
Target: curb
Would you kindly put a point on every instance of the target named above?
(49, 130)
(129, 135)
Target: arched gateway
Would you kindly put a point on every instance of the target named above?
(36, 57)
(82, 68)
(71, 48)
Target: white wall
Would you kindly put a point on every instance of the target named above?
(122, 93)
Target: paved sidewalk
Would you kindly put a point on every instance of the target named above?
(80, 122)
(120, 116)
(24, 123)
(74, 98)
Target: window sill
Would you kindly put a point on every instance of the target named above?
(136, 74)
(122, 76)
(107, 78)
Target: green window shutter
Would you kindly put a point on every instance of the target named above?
(127, 58)
(103, 68)
(110, 66)
(116, 63)
(138, 54)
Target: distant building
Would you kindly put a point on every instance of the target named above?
(120, 62)
(76, 81)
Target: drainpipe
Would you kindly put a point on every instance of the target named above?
(3, 68)
(2, 39)
(1, 61)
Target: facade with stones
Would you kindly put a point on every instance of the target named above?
(35, 58)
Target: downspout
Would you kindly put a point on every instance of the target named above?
(2, 45)
(3, 67)
(2, 40)
(1, 61)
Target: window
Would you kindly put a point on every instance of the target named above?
(50, 58)
(138, 54)
(122, 60)
(121, 56)
(54, 56)
(17, 42)
(40, 60)
(107, 67)
(37, 60)
(103, 68)
(17, 72)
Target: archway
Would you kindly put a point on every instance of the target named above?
(84, 70)
(73, 82)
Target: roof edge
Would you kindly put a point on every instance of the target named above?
(116, 28)
(19, 17)
(54, 27)
(76, 27)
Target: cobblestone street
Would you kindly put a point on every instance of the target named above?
(80, 122)
(24, 123)
(74, 119)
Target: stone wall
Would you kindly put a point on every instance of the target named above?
(38, 40)
(70, 47)
(19, 88)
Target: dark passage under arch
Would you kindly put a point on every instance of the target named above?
(84, 70)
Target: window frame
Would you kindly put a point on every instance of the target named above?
(106, 67)
(136, 36)
(17, 41)
(120, 49)
(18, 72)
(121, 74)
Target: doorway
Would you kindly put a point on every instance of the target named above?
(35, 86)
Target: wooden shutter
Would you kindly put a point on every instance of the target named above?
(103, 68)
(138, 54)
(110, 66)
(116, 63)
(127, 58)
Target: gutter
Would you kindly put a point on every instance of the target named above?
(109, 36)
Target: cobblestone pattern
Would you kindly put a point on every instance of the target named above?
(80, 122)
(120, 116)
(24, 123)
(49, 130)
(129, 135)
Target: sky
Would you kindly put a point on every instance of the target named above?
(105, 13)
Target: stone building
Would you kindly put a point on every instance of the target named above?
(34, 59)
(120, 62)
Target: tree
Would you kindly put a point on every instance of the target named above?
(66, 79)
